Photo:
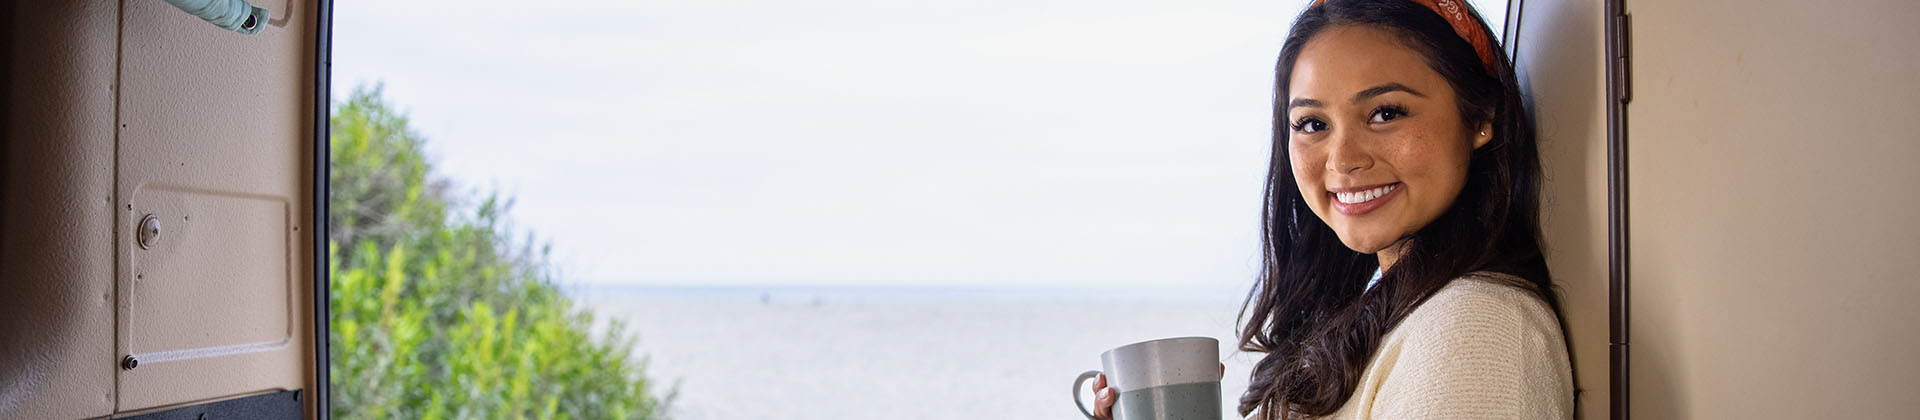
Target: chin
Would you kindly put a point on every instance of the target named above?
(1364, 245)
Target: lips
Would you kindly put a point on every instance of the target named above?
(1359, 201)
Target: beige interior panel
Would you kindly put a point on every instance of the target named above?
(213, 142)
(1560, 43)
(1773, 226)
(205, 275)
(56, 225)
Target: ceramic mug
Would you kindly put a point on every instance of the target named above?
(1165, 379)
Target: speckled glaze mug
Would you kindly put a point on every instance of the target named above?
(1165, 379)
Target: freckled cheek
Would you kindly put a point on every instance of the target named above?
(1306, 173)
(1422, 155)
(1437, 166)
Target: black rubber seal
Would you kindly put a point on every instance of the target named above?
(283, 405)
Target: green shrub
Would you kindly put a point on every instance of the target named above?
(438, 312)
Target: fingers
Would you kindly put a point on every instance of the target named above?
(1223, 369)
(1102, 398)
(1103, 404)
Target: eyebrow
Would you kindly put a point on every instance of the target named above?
(1371, 92)
(1364, 94)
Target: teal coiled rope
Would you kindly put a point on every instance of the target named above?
(232, 15)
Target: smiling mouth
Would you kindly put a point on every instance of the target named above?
(1363, 196)
(1360, 202)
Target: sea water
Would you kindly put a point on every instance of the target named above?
(848, 354)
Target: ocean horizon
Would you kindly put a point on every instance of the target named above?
(774, 292)
(861, 352)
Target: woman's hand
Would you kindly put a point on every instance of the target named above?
(1102, 398)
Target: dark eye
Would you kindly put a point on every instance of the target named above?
(1309, 126)
(1387, 113)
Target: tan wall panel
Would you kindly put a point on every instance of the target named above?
(1559, 48)
(204, 275)
(56, 229)
(214, 144)
(114, 110)
(1773, 227)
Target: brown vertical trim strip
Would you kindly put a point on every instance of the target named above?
(1617, 33)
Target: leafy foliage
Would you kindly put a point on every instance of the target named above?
(438, 312)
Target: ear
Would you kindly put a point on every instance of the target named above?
(1482, 135)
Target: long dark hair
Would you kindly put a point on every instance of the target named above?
(1310, 311)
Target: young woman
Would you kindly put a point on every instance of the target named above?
(1403, 277)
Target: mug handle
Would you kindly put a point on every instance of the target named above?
(1084, 376)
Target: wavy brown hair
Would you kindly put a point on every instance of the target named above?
(1310, 311)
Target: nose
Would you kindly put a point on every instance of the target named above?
(1346, 155)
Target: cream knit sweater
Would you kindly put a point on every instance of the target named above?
(1475, 350)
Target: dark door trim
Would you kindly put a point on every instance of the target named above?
(1619, 92)
(322, 106)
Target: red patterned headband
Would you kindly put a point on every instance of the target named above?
(1463, 24)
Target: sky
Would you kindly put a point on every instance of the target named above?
(1033, 143)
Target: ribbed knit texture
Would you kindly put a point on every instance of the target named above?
(1476, 350)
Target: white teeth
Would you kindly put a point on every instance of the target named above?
(1363, 196)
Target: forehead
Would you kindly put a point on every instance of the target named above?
(1342, 60)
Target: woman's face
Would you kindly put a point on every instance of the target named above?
(1377, 144)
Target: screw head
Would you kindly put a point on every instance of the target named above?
(149, 232)
(129, 362)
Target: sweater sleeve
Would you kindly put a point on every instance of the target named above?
(1478, 350)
